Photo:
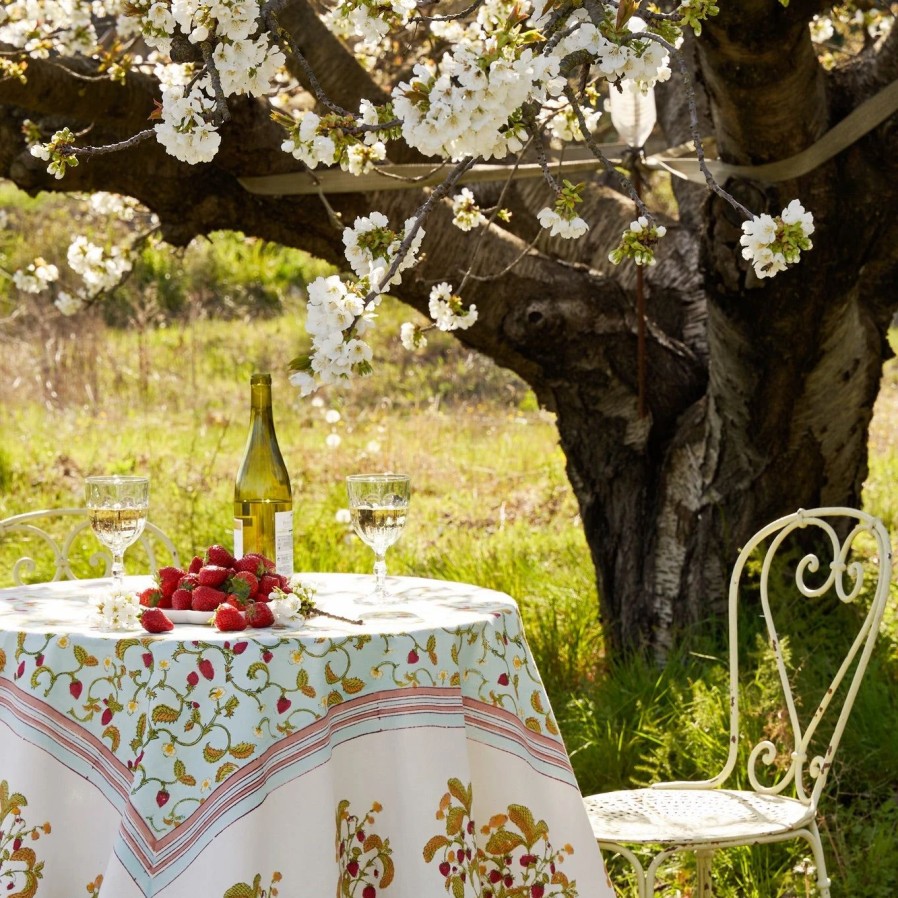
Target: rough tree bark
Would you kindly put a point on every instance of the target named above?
(759, 393)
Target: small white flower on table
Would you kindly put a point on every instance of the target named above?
(115, 610)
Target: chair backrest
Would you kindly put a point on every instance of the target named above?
(61, 546)
(828, 563)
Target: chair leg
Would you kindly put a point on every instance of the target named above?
(812, 836)
(638, 869)
(703, 886)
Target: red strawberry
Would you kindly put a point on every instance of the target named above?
(206, 598)
(283, 704)
(250, 563)
(162, 797)
(206, 668)
(150, 597)
(236, 601)
(212, 575)
(228, 618)
(196, 564)
(256, 564)
(268, 584)
(219, 555)
(182, 599)
(251, 580)
(239, 587)
(168, 579)
(155, 621)
(258, 614)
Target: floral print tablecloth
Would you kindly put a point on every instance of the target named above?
(413, 756)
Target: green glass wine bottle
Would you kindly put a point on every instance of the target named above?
(263, 500)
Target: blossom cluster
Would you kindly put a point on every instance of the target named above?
(116, 609)
(36, 276)
(638, 242)
(317, 140)
(641, 59)
(294, 607)
(463, 105)
(370, 20)
(772, 243)
(56, 153)
(562, 220)
(100, 268)
(372, 248)
(466, 214)
(51, 26)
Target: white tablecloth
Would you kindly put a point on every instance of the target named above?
(413, 756)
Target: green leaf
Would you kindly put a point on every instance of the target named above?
(165, 714)
(211, 755)
(122, 646)
(433, 845)
(114, 736)
(502, 842)
(224, 771)
(240, 890)
(455, 820)
(522, 818)
(387, 876)
(460, 793)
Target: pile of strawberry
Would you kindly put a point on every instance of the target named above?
(234, 591)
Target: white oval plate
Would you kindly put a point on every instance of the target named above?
(187, 617)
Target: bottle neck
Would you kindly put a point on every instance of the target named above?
(260, 398)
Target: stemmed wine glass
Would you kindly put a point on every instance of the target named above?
(378, 504)
(118, 512)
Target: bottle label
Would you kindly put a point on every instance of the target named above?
(238, 538)
(283, 542)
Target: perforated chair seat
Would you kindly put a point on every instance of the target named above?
(686, 816)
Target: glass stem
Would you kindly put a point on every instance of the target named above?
(380, 574)
(118, 570)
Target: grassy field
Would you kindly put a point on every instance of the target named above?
(491, 505)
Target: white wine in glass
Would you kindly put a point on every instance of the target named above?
(118, 508)
(378, 504)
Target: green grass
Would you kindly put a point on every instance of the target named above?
(167, 394)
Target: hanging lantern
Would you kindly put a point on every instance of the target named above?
(632, 112)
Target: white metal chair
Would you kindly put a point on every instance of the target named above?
(703, 816)
(56, 547)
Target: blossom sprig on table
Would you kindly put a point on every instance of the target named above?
(292, 608)
(772, 243)
(117, 609)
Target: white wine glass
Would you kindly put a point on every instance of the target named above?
(118, 508)
(378, 504)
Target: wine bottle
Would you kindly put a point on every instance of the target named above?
(263, 500)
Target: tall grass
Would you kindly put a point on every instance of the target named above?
(166, 393)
